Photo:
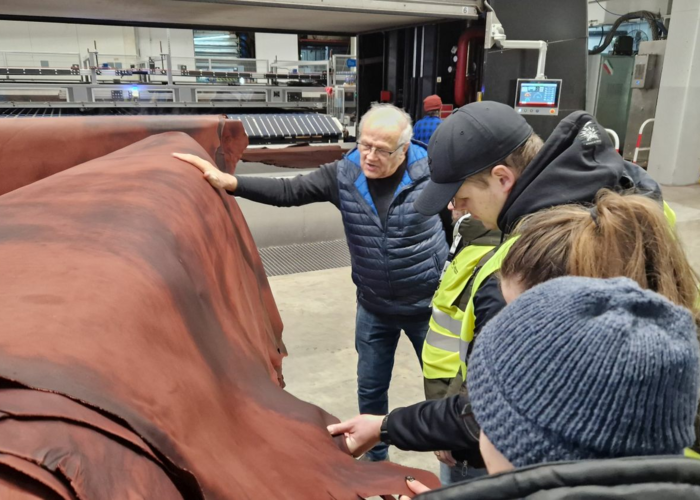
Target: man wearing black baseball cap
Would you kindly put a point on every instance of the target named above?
(487, 160)
(473, 140)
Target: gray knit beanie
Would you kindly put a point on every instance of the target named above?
(582, 368)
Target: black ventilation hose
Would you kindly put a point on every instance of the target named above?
(650, 17)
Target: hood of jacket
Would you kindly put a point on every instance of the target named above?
(576, 162)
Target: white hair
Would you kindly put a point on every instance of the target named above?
(392, 114)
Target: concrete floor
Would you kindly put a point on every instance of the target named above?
(685, 201)
(318, 310)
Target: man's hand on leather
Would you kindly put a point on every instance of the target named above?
(217, 178)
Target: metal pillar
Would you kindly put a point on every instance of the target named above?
(92, 57)
(169, 60)
(675, 150)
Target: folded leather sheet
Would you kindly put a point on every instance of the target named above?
(295, 156)
(78, 460)
(141, 349)
(35, 148)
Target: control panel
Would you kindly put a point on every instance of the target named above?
(644, 66)
(538, 97)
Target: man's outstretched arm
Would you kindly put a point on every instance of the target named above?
(319, 185)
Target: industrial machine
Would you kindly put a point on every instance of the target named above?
(295, 87)
(168, 81)
(645, 84)
(318, 97)
(462, 50)
(271, 128)
(609, 90)
(624, 75)
(289, 85)
(483, 59)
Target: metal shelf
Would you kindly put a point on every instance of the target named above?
(185, 96)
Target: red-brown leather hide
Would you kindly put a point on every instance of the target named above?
(141, 346)
(35, 148)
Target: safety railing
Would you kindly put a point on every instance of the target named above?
(638, 149)
(615, 138)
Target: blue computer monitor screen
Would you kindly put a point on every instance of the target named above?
(539, 94)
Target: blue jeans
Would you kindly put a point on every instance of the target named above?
(457, 474)
(376, 337)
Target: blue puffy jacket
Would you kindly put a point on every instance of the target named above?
(396, 267)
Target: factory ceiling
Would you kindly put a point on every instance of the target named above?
(321, 16)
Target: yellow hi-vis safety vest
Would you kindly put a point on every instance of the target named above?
(469, 319)
(493, 265)
(670, 215)
(441, 346)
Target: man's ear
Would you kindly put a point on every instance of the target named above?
(504, 176)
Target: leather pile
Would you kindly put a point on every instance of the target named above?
(141, 349)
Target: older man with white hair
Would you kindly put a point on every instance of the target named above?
(397, 253)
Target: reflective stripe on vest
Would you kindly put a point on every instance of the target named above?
(442, 343)
(445, 321)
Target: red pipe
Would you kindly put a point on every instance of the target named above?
(462, 89)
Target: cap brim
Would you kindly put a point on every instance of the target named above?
(435, 197)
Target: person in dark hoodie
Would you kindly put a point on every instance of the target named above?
(488, 161)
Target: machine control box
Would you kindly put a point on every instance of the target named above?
(644, 66)
(537, 97)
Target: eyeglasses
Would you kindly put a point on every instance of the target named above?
(382, 153)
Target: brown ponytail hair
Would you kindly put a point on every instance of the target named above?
(620, 235)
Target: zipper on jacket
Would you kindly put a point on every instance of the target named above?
(385, 230)
(386, 258)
